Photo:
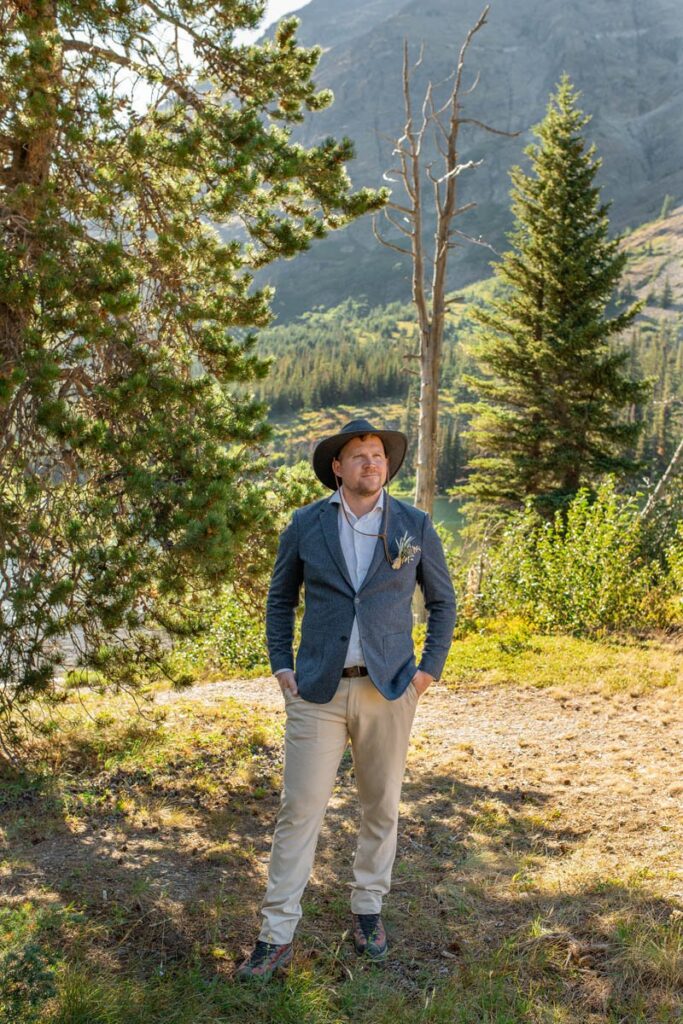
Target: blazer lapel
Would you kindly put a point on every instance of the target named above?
(394, 530)
(329, 520)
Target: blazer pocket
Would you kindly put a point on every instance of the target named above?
(397, 644)
(308, 659)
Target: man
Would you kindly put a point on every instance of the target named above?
(359, 555)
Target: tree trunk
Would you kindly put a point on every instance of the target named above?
(425, 481)
(31, 145)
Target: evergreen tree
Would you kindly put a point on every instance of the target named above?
(667, 203)
(128, 474)
(549, 416)
(449, 466)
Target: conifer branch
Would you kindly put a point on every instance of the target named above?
(113, 57)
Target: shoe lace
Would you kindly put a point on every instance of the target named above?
(368, 923)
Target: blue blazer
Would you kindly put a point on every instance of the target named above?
(310, 553)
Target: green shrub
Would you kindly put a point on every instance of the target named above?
(674, 557)
(233, 639)
(229, 627)
(583, 573)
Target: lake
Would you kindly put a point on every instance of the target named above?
(446, 511)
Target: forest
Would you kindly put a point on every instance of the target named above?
(357, 356)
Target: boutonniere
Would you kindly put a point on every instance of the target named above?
(406, 551)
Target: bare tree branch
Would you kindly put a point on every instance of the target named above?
(458, 170)
(396, 224)
(465, 47)
(401, 209)
(663, 482)
(436, 120)
(474, 241)
(468, 92)
(488, 128)
(389, 245)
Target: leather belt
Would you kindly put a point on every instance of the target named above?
(355, 670)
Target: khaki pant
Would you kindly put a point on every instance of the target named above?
(315, 738)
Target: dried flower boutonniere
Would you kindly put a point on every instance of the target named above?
(406, 552)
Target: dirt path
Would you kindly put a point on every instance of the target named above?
(545, 826)
(610, 767)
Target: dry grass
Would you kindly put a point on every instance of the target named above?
(538, 877)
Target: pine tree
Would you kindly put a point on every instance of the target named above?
(449, 455)
(146, 172)
(549, 416)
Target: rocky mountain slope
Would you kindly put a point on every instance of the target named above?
(654, 272)
(624, 57)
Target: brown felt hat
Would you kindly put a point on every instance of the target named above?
(395, 444)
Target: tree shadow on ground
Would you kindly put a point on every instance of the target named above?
(186, 881)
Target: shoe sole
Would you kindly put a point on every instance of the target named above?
(276, 970)
(372, 956)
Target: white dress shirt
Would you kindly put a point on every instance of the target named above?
(358, 550)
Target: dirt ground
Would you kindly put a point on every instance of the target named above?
(533, 821)
(609, 768)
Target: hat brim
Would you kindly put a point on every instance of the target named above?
(395, 445)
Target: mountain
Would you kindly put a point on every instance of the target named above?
(624, 57)
(353, 360)
(654, 271)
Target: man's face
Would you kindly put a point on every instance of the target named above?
(362, 465)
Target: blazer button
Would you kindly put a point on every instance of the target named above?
(356, 600)
(343, 638)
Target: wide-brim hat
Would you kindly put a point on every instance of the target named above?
(395, 445)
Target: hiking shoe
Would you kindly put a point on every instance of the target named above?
(266, 958)
(369, 937)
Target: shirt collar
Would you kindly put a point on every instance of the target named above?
(336, 499)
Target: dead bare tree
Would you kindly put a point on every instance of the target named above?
(429, 295)
(663, 482)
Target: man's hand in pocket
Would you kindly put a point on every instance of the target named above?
(287, 681)
(421, 680)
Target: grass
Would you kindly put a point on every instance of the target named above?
(509, 654)
(133, 856)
